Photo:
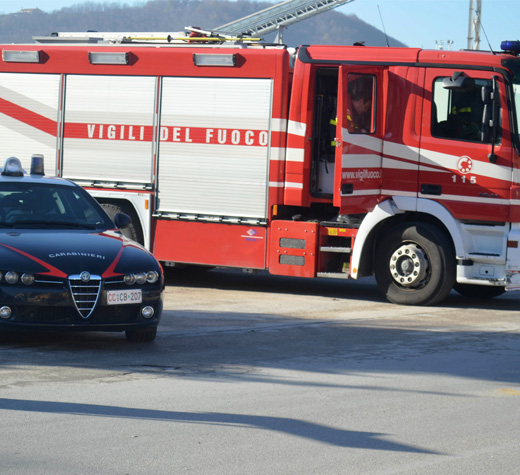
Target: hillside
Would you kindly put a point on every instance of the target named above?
(332, 27)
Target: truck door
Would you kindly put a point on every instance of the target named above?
(358, 157)
(464, 164)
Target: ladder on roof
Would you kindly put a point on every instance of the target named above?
(278, 17)
(191, 35)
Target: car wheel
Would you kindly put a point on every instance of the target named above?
(141, 334)
(479, 291)
(415, 264)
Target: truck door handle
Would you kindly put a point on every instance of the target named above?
(428, 189)
(347, 188)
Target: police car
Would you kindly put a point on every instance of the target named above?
(63, 263)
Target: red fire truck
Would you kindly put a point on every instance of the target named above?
(320, 162)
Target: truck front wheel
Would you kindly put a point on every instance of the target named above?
(415, 264)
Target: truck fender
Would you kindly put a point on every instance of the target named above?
(400, 205)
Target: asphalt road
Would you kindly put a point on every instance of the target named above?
(256, 374)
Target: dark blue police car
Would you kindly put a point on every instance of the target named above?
(65, 265)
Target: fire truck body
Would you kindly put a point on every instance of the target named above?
(335, 161)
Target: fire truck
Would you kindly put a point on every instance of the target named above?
(322, 161)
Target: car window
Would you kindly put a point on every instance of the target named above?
(49, 205)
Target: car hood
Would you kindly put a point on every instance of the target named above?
(63, 253)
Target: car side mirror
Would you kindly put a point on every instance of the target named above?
(122, 220)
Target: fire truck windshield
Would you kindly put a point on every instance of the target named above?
(514, 66)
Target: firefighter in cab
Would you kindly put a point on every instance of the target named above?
(359, 112)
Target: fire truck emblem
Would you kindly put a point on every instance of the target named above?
(465, 164)
(251, 235)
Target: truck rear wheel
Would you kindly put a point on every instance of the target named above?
(415, 264)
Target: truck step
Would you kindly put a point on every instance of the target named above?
(333, 275)
(336, 224)
(342, 250)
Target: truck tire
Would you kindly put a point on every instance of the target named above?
(134, 230)
(479, 291)
(415, 264)
(141, 335)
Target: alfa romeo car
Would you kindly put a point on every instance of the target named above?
(64, 264)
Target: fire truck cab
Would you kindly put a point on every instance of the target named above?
(329, 161)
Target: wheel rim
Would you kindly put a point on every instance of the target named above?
(408, 265)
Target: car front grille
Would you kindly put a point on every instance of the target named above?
(85, 289)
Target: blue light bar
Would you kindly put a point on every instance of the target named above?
(37, 167)
(511, 47)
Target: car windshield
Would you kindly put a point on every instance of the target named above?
(43, 205)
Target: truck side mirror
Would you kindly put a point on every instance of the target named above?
(487, 114)
(487, 94)
(490, 114)
(487, 124)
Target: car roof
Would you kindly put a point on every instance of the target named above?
(37, 179)
(13, 172)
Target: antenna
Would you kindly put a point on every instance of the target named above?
(384, 29)
(484, 31)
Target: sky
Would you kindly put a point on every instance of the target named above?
(426, 24)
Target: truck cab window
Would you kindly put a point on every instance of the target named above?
(360, 103)
(457, 113)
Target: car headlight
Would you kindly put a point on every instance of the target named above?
(27, 279)
(6, 312)
(142, 278)
(11, 277)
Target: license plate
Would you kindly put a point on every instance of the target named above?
(121, 297)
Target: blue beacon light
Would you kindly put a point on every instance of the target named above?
(512, 47)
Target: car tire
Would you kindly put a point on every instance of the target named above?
(479, 291)
(141, 335)
(415, 264)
